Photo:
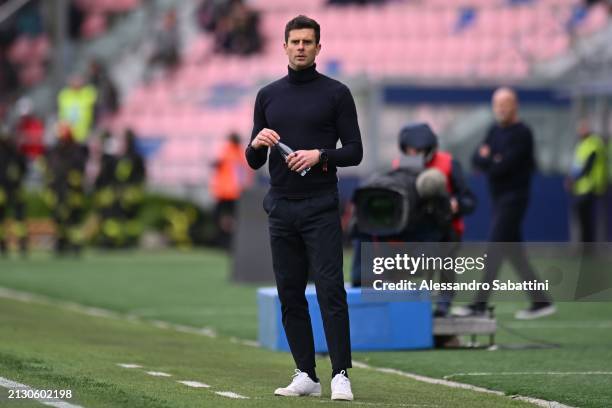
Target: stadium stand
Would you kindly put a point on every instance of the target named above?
(438, 40)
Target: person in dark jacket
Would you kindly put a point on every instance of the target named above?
(120, 193)
(12, 173)
(65, 195)
(506, 156)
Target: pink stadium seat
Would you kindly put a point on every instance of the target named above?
(20, 50)
(596, 19)
(31, 74)
(41, 48)
(94, 25)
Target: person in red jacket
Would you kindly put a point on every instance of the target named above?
(418, 140)
(30, 131)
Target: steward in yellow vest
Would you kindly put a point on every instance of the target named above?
(589, 179)
(76, 104)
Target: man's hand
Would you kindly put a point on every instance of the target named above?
(484, 151)
(300, 160)
(454, 204)
(265, 138)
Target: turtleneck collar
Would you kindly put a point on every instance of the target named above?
(304, 75)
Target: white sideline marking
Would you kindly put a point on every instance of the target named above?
(160, 324)
(98, 312)
(453, 384)
(230, 394)
(250, 343)
(52, 402)
(129, 365)
(562, 325)
(529, 373)
(204, 331)
(194, 384)
(158, 374)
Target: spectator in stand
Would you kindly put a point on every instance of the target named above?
(166, 44)
(107, 102)
(76, 17)
(608, 3)
(238, 31)
(210, 12)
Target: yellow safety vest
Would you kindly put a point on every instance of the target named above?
(76, 106)
(596, 181)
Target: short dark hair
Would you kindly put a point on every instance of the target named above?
(300, 22)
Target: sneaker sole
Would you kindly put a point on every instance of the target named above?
(536, 315)
(342, 397)
(281, 394)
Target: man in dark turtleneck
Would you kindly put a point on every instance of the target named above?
(308, 112)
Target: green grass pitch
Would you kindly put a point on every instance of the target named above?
(47, 345)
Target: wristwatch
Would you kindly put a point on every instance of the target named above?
(323, 158)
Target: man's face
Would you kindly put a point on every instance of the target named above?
(301, 48)
(504, 107)
(583, 129)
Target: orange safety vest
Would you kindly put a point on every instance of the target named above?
(232, 174)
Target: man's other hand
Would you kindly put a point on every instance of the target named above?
(484, 151)
(300, 160)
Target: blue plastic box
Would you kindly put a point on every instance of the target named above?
(374, 325)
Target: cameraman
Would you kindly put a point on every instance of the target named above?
(419, 144)
(420, 141)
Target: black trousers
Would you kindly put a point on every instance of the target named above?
(305, 235)
(508, 213)
(584, 209)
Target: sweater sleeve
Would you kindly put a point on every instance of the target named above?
(257, 157)
(461, 191)
(351, 152)
(479, 162)
(519, 153)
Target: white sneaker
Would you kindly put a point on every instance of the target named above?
(536, 311)
(300, 386)
(341, 387)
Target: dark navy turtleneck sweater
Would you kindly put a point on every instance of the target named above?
(309, 111)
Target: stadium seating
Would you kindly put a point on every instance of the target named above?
(432, 40)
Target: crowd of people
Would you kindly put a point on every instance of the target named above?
(234, 25)
(114, 195)
(69, 161)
